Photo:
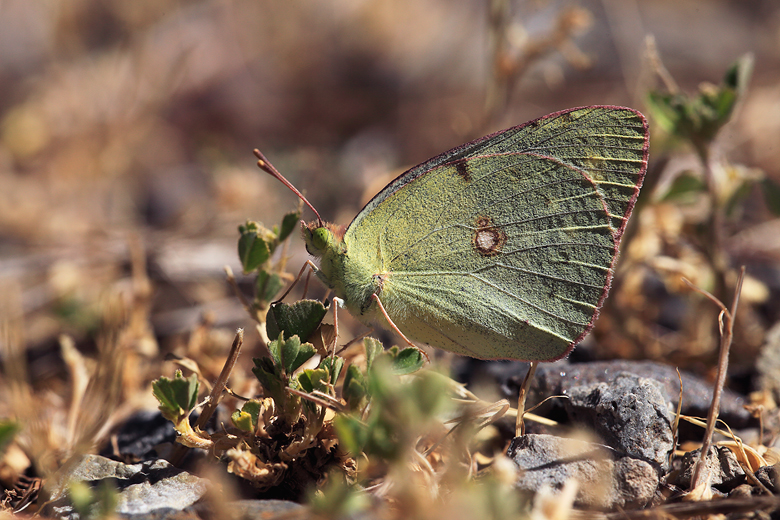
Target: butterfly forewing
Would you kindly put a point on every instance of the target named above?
(503, 248)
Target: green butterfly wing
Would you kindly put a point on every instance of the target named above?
(503, 248)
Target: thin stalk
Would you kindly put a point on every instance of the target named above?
(216, 393)
(726, 336)
(529, 376)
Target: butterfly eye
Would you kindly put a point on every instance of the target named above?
(320, 238)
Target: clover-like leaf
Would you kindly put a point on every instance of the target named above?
(289, 223)
(354, 390)
(373, 349)
(267, 285)
(270, 375)
(298, 319)
(294, 354)
(243, 421)
(333, 365)
(177, 396)
(253, 251)
(246, 418)
(253, 408)
(314, 379)
(698, 118)
(406, 361)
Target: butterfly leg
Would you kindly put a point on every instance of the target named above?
(396, 329)
(312, 268)
(337, 302)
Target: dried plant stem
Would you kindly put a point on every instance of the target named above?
(529, 376)
(657, 65)
(726, 320)
(219, 386)
(216, 393)
(509, 62)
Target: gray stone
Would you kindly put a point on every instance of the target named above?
(722, 464)
(606, 479)
(558, 378)
(629, 414)
(142, 488)
(770, 477)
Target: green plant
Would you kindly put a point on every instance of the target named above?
(696, 120)
(328, 426)
(256, 245)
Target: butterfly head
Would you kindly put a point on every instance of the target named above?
(321, 236)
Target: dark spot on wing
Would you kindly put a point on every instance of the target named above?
(488, 239)
(462, 169)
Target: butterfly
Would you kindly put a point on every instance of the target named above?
(502, 248)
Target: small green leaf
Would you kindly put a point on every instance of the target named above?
(248, 227)
(287, 355)
(243, 421)
(252, 407)
(253, 251)
(738, 75)
(289, 222)
(177, 396)
(373, 349)
(354, 390)
(333, 365)
(246, 418)
(304, 381)
(94, 502)
(722, 103)
(698, 118)
(305, 353)
(684, 188)
(267, 286)
(406, 361)
(314, 379)
(299, 319)
(275, 348)
(271, 378)
(80, 494)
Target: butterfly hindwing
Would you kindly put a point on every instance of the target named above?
(503, 247)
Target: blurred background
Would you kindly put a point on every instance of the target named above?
(127, 129)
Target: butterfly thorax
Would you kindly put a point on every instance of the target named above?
(353, 277)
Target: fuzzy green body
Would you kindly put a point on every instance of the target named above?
(502, 248)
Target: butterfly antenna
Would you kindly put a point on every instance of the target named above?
(265, 165)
